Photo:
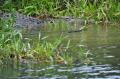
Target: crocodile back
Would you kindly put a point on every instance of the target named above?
(26, 21)
(23, 21)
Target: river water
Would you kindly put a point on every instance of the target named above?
(102, 42)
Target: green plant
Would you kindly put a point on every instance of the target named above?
(96, 9)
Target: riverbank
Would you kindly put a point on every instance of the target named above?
(99, 10)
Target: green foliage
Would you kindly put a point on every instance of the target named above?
(96, 9)
(10, 39)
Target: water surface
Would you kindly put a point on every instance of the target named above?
(103, 43)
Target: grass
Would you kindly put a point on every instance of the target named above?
(13, 45)
(11, 40)
(105, 10)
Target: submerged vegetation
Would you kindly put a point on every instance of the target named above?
(13, 45)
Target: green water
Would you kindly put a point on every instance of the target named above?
(102, 42)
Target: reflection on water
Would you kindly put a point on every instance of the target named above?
(104, 45)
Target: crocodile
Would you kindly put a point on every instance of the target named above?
(23, 21)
